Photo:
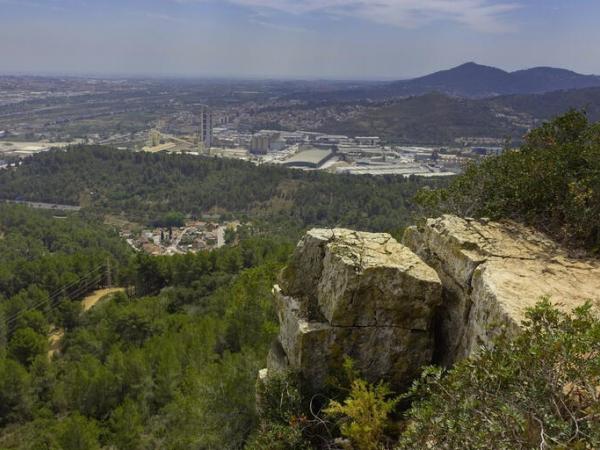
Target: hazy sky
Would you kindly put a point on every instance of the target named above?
(345, 39)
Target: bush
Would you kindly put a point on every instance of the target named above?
(282, 421)
(552, 182)
(540, 390)
(26, 344)
(171, 219)
(365, 414)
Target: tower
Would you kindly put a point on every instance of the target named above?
(205, 133)
(154, 138)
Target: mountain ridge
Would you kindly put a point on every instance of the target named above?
(476, 80)
(469, 80)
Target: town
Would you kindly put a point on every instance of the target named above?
(258, 122)
(192, 237)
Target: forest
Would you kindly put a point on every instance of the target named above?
(145, 187)
(170, 363)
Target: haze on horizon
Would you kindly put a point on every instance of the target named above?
(337, 39)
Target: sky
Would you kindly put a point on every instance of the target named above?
(295, 39)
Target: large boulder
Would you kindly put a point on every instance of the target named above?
(492, 272)
(361, 295)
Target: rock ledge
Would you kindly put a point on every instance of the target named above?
(363, 295)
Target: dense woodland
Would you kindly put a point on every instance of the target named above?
(145, 187)
(171, 366)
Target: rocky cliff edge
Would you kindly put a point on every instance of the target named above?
(450, 288)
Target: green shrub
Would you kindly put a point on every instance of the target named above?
(26, 344)
(552, 182)
(364, 414)
(282, 418)
(540, 390)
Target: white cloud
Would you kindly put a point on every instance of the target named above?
(34, 4)
(164, 18)
(481, 15)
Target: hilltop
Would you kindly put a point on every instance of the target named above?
(475, 80)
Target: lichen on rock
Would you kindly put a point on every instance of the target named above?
(355, 294)
(450, 288)
(492, 272)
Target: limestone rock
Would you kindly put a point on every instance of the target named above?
(361, 295)
(371, 280)
(451, 288)
(492, 272)
(317, 349)
(361, 279)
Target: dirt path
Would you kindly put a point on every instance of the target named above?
(90, 301)
(56, 334)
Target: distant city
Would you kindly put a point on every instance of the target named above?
(430, 126)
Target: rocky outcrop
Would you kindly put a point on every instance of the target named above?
(492, 272)
(361, 295)
(451, 288)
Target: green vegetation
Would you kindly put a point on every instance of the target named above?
(365, 414)
(46, 262)
(283, 422)
(432, 118)
(551, 182)
(539, 390)
(171, 219)
(172, 366)
(146, 187)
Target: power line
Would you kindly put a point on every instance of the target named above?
(55, 295)
(52, 299)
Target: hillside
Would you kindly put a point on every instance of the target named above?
(437, 118)
(170, 363)
(434, 119)
(548, 105)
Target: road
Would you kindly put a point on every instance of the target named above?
(171, 249)
(91, 300)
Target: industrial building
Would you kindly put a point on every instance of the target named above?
(403, 169)
(312, 158)
(368, 140)
(259, 144)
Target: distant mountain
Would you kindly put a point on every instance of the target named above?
(467, 80)
(473, 81)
